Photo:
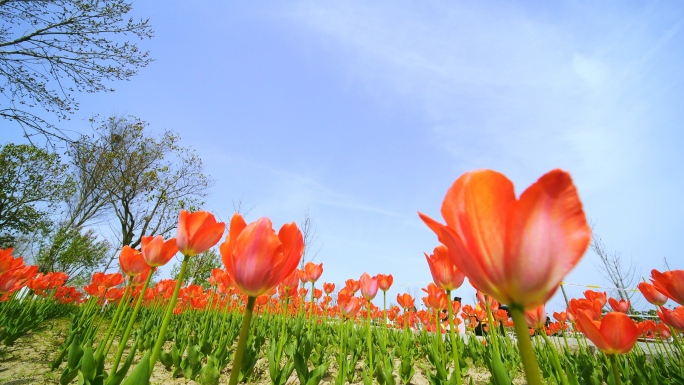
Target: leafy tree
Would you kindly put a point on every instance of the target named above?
(32, 184)
(145, 180)
(74, 251)
(49, 50)
(199, 268)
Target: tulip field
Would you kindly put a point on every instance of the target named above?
(262, 320)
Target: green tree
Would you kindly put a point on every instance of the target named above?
(144, 179)
(33, 182)
(76, 252)
(199, 268)
(50, 50)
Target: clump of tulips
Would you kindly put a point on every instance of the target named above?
(514, 250)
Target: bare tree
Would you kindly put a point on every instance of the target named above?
(622, 275)
(145, 180)
(50, 50)
(309, 229)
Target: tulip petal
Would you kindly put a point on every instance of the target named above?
(620, 332)
(293, 247)
(260, 257)
(590, 330)
(547, 233)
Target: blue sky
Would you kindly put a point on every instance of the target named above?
(364, 113)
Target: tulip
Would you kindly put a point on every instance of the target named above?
(353, 285)
(385, 281)
(313, 271)
(536, 318)
(8, 262)
(328, 287)
(348, 305)
(444, 272)
(369, 286)
(515, 250)
(652, 294)
(670, 283)
(156, 252)
(405, 301)
(593, 296)
(674, 318)
(621, 306)
(197, 232)
(132, 262)
(616, 333)
(257, 258)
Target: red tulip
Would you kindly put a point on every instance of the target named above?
(593, 296)
(444, 273)
(616, 333)
(197, 232)
(674, 318)
(369, 286)
(132, 262)
(516, 250)
(257, 258)
(621, 306)
(670, 283)
(385, 281)
(8, 262)
(313, 271)
(156, 252)
(536, 318)
(652, 294)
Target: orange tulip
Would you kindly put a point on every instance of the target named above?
(616, 333)
(156, 252)
(257, 258)
(536, 318)
(670, 283)
(516, 250)
(328, 287)
(132, 262)
(348, 305)
(436, 298)
(313, 271)
(621, 306)
(444, 273)
(197, 232)
(385, 281)
(369, 286)
(674, 318)
(353, 285)
(405, 301)
(652, 294)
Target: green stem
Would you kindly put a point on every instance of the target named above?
(525, 345)
(129, 327)
(556, 360)
(384, 317)
(370, 342)
(115, 320)
(454, 353)
(616, 369)
(167, 316)
(311, 305)
(242, 341)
